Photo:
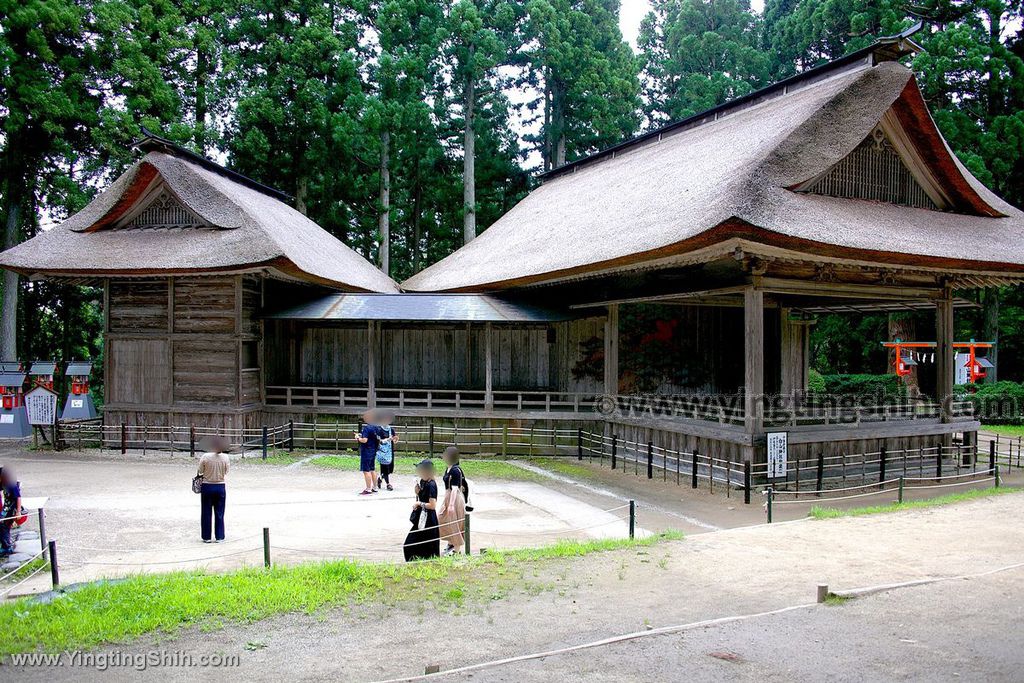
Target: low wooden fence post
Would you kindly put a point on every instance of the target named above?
(192, 440)
(769, 493)
(992, 456)
(632, 519)
(430, 441)
(615, 448)
(899, 497)
(291, 435)
(579, 444)
(264, 442)
(42, 533)
(124, 438)
(882, 456)
(650, 460)
(938, 463)
(266, 547)
(821, 473)
(54, 572)
(466, 534)
(746, 482)
(693, 469)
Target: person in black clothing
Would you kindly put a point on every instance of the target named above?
(453, 510)
(424, 539)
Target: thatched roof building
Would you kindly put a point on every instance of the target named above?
(174, 212)
(842, 164)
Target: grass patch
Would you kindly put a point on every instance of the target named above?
(116, 612)
(563, 466)
(833, 599)
(819, 512)
(1005, 430)
(474, 469)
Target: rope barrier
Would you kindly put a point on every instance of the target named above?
(821, 500)
(11, 588)
(840, 490)
(153, 564)
(949, 476)
(142, 550)
(15, 571)
(945, 486)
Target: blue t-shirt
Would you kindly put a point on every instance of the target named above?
(371, 434)
(12, 492)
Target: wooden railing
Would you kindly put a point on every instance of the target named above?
(790, 412)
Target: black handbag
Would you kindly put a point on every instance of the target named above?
(197, 483)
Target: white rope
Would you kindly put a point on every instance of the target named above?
(848, 488)
(825, 500)
(145, 550)
(15, 571)
(944, 486)
(950, 476)
(549, 532)
(151, 564)
(37, 570)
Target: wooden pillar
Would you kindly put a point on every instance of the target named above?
(371, 364)
(795, 354)
(488, 368)
(611, 351)
(753, 361)
(944, 356)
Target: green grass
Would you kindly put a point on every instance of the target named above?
(834, 600)
(818, 512)
(116, 612)
(475, 469)
(1005, 430)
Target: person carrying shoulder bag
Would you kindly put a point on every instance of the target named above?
(213, 469)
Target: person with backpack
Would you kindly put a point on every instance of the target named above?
(386, 439)
(453, 511)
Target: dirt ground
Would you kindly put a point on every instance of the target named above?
(114, 515)
(962, 629)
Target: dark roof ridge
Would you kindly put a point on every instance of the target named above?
(886, 48)
(153, 142)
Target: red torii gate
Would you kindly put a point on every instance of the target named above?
(976, 366)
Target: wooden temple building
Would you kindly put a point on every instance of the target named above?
(832, 191)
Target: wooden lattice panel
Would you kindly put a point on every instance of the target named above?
(165, 212)
(874, 171)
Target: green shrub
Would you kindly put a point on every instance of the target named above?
(998, 403)
(861, 385)
(815, 382)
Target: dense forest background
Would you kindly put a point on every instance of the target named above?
(405, 127)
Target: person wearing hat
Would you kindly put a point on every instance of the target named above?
(424, 539)
(213, 468)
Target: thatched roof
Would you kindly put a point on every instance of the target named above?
(734, 174)
(229, 224)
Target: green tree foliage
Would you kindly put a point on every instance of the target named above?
(697, 55)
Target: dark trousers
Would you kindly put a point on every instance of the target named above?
(387, 470)
(5, 535)
(212, 497)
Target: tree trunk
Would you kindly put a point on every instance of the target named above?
(301, 192)
(904, 328)
(202, 106)
(9, 316)
(384, 221)
(990, 331)
(469, 163)
(558, 125)
(417, 220)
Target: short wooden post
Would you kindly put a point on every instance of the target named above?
(504, 439)
(632, 519)
(430, 440)
(899, 495)
(769, 494)
(579, 444)
(650, 460)
(124, 438)
(938, 463)
(266, 547)
(679, 457)
(992, 456)
(615, 448)
(54, 572)
(822, 594)
(466, 533)
(996, 471)
(264, 442)
(42, 533)
(693, 469)
(821, 473)
(291, 435)
(746, 482)
(192, 440)
(881, 467)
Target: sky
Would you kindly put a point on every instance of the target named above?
(633, 12)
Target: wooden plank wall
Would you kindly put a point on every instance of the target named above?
(176, 343)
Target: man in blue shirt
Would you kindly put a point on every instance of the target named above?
(369, 439)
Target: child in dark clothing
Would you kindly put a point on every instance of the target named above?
(11, 489)
(386, 437)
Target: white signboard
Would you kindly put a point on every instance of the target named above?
(778, 454)
(77, 402)
(41, 405)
